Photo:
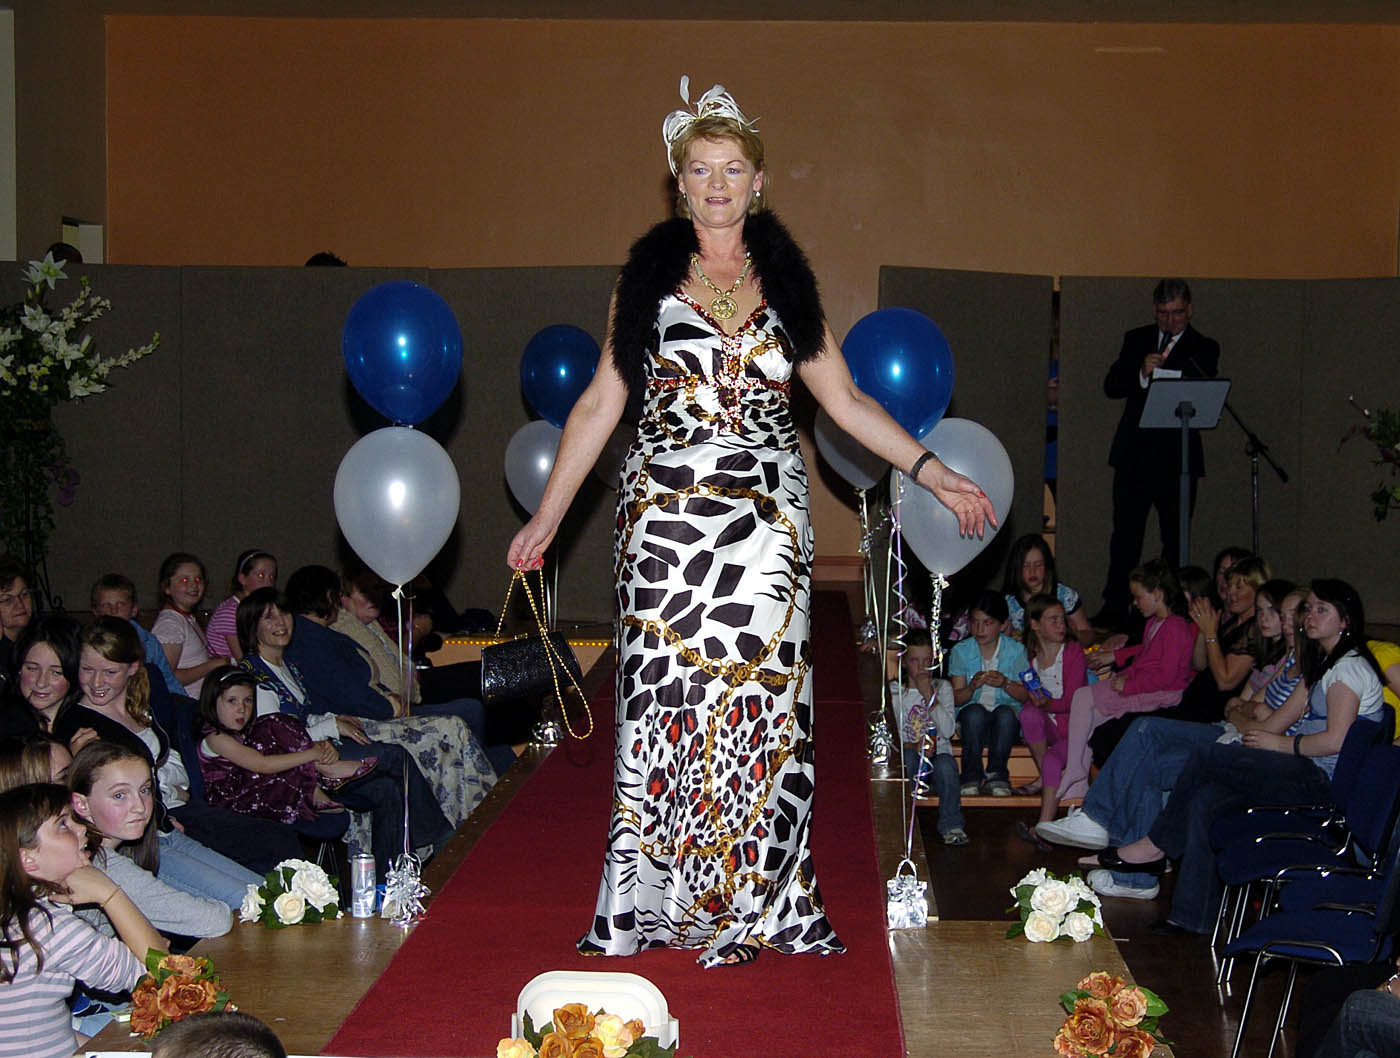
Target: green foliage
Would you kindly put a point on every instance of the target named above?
(1382, 429)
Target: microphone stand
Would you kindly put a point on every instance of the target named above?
(1254, 448)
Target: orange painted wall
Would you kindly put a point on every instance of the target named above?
(1266, 151)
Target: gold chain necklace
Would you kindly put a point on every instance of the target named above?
(723, 306)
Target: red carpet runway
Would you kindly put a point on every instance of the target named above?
(525, 893)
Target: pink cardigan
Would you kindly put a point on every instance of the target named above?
(1162, 661)
(1074, 674)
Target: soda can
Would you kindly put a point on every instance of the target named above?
(362, 888)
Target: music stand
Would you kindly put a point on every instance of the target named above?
(1184, 404)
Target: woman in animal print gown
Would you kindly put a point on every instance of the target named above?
(713, 313)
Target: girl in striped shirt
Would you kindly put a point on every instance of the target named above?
(44, 948)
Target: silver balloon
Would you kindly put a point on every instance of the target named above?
(529, 459)
(396, 499)
(608, 466)
(847, 456)
(928, 526)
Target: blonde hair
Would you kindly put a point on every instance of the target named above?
(116, 640)
(717, 127)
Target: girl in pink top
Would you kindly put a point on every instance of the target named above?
(1060, 670)
(255, 569)
(1150, 676)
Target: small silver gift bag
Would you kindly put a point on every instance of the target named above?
(906, 905)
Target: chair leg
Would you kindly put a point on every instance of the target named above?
(1283, 1008)
(1248, 999)
(1215, 941)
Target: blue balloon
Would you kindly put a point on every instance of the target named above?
(557, 365)
(403, 350)
(900, 357)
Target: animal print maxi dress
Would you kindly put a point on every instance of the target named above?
(708, 840)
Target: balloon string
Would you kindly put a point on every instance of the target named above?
(866, 572)
(935, 620)
(403, 673)
(897, 624)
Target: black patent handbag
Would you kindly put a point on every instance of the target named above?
(533, 665)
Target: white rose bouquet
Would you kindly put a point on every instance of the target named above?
(294, 891)
(1050, 908)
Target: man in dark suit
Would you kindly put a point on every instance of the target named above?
(1147, 463)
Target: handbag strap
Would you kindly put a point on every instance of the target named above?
(551, 652)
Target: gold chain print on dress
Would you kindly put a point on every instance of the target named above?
(713, 772)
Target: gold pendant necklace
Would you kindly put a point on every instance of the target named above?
(723, 306)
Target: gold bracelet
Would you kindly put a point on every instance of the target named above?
(115, 890)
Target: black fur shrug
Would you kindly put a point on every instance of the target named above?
(657, 265)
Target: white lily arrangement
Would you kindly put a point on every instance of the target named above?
(1051, 907)
(45, 359)
(294, 891)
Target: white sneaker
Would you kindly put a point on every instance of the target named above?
(970, 789)
(1075, 829)
(1101, 881)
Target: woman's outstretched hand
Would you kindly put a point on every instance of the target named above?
(527, 549)
(961, 495)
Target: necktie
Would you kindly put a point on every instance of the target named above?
(1166, 341)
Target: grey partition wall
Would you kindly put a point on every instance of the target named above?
(230, 435)
(1259, 326)
(998, 327)
(1293, 351)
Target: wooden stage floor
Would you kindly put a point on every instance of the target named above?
(963, 988)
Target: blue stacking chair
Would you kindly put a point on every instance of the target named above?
(1324, 822)
(1375, 803)
(1314, 818)
(1334, 932)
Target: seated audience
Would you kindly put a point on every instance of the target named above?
(16, 609)
(114, 796)
(1060, 671)
(1150, 676)
(114, 595)
(38, 758)
(1030, 570)
(264, 630)
(924, 705)
(1220, 572)
(46, 680)
(254, 569)
(1266, 767)
(1221, 666)
(265, 765)
(182, 588)
(116, 706)
(985, 672)
(362, 601)
(1126, 798)
(45, 950)
(441, 736)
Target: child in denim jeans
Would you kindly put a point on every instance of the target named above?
(985, 672)
(924, 705)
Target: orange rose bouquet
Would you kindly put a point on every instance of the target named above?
(1108, 1016)
(575, 1032)
(174, 987)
